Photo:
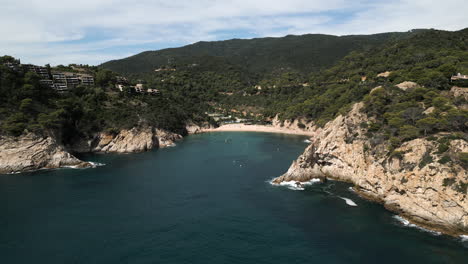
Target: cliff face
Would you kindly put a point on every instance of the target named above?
(31, 152)
(300, 124)
(193, 128)
(413, 183)
(127, 141)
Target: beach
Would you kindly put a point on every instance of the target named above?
(258, 128)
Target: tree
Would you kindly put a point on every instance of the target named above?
(428, 124)
(408, 132)
(413, 114)
(104, 77)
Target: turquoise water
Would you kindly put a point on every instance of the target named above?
(207, 200)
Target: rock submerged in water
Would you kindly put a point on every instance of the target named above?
(413, 185)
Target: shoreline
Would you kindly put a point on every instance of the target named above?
(434, 229)
(257, 128)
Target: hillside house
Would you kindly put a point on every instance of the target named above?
(459, 76)
(139, 88)
(61, 88)
(71, 80)
(39, 70)
(86, 79)
(120, 87)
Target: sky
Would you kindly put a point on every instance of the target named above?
(95, 31)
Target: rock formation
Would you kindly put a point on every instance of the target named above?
(193, 128)
(412, 180)
(407, 85)
(31, 152)
(300, 124)
(127, 141)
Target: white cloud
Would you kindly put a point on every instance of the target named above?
(93, 31)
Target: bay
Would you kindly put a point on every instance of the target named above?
(207, 200)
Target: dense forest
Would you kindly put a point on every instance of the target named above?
(314, 77)
(27, 106)
(258, 57)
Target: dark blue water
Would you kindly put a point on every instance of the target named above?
(205, 201)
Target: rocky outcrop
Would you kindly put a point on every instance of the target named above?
(407, 85)
(384, 74)
(412, 181)
(459, 92)
(31, 152)
(193, 128)
(299, 124)
(127, 141)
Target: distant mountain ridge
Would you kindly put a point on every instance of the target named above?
(305, 53)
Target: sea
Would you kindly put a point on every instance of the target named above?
(208, 199)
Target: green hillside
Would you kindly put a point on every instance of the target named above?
(223, 84)
(306, 53)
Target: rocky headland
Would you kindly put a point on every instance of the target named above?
(33, 152)
(412, 181)
(126, 141)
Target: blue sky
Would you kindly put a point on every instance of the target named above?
(95, 31)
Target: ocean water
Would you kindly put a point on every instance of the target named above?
(207, 200)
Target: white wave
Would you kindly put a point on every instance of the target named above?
(307, 141)
(348, 201)
(402, 220)
(12, 173)
(407, 223)
(314, 180)
(96, 164)
(351, 189)
(464, 238)
(295, 185)
(93, 165)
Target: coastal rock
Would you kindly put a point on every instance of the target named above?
(299, 124)
(414, 183)
(31, 152)
(127, 141)
(193, 128)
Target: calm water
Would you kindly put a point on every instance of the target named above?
(205, 201)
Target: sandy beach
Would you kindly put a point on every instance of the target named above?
(258, 128)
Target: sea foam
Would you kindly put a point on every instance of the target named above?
(348, 201)
(293, 185)
(407, 223)
(307, 141)
(93, 165)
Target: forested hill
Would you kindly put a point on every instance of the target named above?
(304, 54)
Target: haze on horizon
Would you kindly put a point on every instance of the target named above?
(95, 31)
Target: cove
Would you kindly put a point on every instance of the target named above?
(207, 200)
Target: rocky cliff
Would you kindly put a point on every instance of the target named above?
(127, 141)
(412, 181)
(194, 128)
(299, 124)
(31, 152)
